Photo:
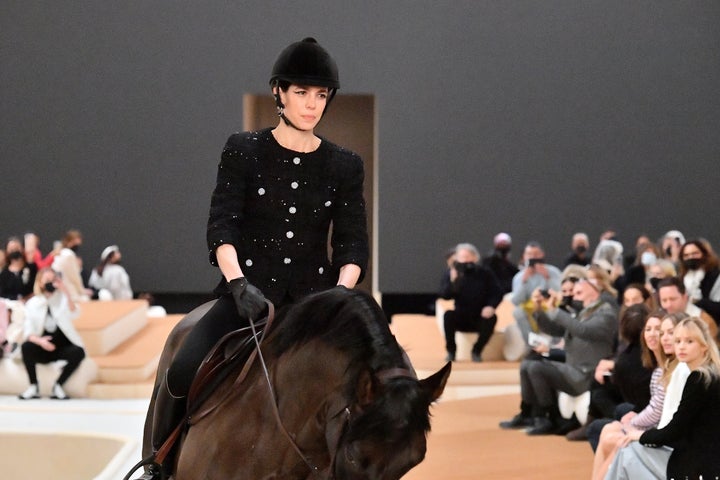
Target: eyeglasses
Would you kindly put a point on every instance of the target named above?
(571, 278)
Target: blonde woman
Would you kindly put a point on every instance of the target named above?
(657, 351)
(687, 446)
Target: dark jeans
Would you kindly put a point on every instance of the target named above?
(33, 354)
(454, 321)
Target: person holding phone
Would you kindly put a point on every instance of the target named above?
(535, 274)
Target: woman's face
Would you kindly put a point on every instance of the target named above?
(688, 348)
(304, 106)
(632, 296)
(48, 276)
(651, 334)
(666, 336)
(692, 252)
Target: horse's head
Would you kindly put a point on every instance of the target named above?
(385, 430)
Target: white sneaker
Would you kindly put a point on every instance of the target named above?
(30, 393)
(58, 393)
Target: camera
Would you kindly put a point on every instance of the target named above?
(545, 293)
(534, 261)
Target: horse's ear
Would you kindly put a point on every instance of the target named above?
(435, 383)
(365, 388)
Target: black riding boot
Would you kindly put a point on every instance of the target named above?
(169, 412)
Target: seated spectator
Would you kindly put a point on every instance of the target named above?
(674, 299)
(658, 271)
(49, 334)
(685, 447)
(621, 379)
(638, 272)
(609, 256)
(658, 348)
(535, 274)
(580, 246)
(635, 294)
(701, 275)
(670, 245)
(499, 262)
(69, 265)
(602, 279)
(110, 276)
(18, 276)
(33, 253)
(477, 293)
(588, 338)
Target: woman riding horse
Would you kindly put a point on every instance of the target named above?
(278, 192)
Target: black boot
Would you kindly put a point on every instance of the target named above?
(543, 423)
(521, 420)
(168, 413)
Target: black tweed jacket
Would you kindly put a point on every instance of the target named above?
(278, 208)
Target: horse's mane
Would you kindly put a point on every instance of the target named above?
(349, 320)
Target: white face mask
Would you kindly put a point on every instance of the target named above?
(648, 258)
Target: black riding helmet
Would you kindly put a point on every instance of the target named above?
(305, 63)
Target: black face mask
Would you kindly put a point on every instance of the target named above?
(580, 249)
(503, 251)
(75, 248)
(49, 287)
(12, 256)
(692, 263)
(567, 300)
(654, 281)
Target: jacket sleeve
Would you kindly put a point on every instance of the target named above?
(494, 290)
(596, 327)
(685, 418)
(349, 235)
(547, 325)
(228, 199)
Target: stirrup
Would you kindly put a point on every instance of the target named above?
(154, 471)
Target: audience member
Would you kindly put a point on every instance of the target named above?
(658, 353)
(609, 256)
(674, 298)
(693, 430)
(670, 246)
(658, 271)
(18, 276)
(110, 276)
(535, 274)
(701, 276)
(635, 294)
(580, 245)
(49, 334)
(33, 253)
(600, 277)
(68, 264)
(588, 338)
(638, 272)
(632, 257)
(499, 262)
(477, 293)
(623, 378)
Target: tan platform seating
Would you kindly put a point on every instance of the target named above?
(425, 345)
(14, 379)
(104, 325)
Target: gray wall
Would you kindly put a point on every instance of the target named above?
(537, 118)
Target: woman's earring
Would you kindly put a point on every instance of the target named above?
(280, 111)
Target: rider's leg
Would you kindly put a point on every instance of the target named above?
(170, 402)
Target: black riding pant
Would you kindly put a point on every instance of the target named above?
(221, 319)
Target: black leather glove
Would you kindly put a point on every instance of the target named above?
(249, 300)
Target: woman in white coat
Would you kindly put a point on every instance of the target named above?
(49, 334)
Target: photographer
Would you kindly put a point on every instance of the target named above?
(536, 274)
(476, 292)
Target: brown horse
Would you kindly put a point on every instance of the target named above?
(339, 400)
